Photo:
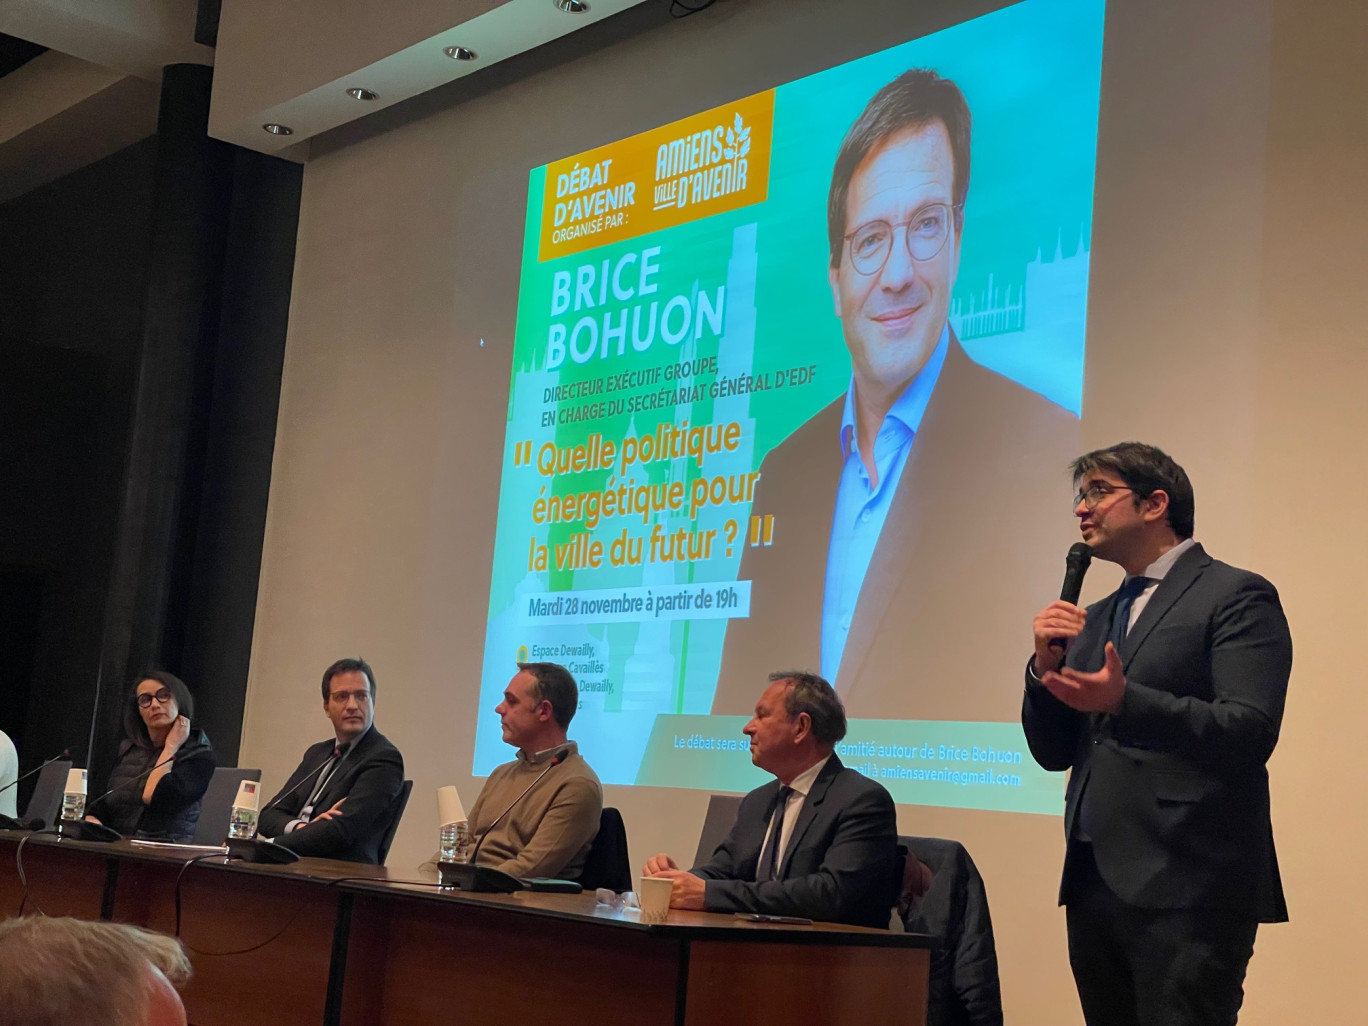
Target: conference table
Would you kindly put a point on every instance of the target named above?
(343, 944)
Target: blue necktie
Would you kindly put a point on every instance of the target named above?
(768, 868)
(1121, 612)
(1125, 600)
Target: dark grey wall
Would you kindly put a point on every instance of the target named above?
(72, 280)
(96, 278)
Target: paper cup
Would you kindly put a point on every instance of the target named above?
(654, 894)
(246, 795)
(449, 807)
(76, 781)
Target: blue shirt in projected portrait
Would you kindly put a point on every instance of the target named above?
(860, 509)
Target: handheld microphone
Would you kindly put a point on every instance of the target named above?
(467, 875)
(65, 753)
(1075, 566)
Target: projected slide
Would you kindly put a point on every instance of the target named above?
(794, 384)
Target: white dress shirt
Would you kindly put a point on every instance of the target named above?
(862, 508)
(1156, 572)
(801, 785)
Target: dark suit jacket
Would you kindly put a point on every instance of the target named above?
(369, 778)
(1176, 781)
(963, 989)
(951, 580)
(840, 865)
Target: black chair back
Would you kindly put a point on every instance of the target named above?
(400, 802)
(608, 864)
(46, 801)
(716, 825)
(964, 988)
(217, 803)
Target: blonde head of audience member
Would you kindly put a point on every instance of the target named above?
(72, 972)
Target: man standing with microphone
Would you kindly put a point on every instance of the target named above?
(1165, 700)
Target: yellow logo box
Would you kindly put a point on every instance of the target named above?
(703, 165)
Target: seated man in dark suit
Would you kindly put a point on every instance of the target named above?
(820, 841)
(337, 804)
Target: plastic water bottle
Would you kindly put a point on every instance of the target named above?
(454, 843)
(74, 797)
(242, 824)
(242, 820)
(73, 805)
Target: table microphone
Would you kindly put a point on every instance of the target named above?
(470, 877)
(1075, 566)
(141, 777)
(556, 760)
(65, 753)
(9, 822)
(311, 775)
(84, 830)
(260, 849)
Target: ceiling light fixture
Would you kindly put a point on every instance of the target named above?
(459, 53)
(572, 6)
(357, 93)
(276, 129)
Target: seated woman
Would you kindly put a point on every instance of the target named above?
(163, 767)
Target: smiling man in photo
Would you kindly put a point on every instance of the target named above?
(898, 504)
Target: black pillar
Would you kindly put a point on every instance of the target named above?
(191, 194)
(213, 607)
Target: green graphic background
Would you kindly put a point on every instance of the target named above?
(1031, 76)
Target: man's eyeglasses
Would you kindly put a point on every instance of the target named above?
(145, 699)
(343, 697)
(1093, 495)
(926, 232)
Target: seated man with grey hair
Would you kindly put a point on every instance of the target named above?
(82, 973)
(820, 841)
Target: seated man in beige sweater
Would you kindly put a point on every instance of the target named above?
(549, 832)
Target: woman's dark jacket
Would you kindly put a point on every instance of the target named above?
(175, 806)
